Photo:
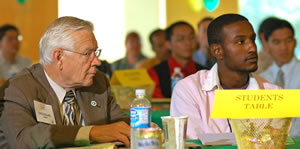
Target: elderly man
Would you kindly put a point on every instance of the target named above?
(63, 101)
(10, 62)
(231, 40)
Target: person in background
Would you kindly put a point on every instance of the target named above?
(105, 68)
(264, 58)
(203, 56)
(284, 71)
(158, 44)
(62, 101)
(181, 41)
(232, 41)
(10, 62)
(133, 53)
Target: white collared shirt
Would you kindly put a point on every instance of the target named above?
(291, 71)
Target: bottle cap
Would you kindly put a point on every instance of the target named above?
(140, 92)
(177, 69)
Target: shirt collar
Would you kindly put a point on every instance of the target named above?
(212, 81)
(59, 91)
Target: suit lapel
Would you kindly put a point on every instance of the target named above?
(46, 94)
(92, 113)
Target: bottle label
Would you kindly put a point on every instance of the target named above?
(140, 117)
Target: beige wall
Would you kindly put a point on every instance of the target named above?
(31, 18)
(182, 10)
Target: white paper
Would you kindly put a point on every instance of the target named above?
(44, 113)
(217, 139)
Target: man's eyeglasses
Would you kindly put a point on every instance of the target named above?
(89, 54)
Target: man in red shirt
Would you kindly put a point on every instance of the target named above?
(182, 42)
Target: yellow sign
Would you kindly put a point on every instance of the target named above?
(238, 104)
(132, 77)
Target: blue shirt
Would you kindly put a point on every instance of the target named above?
(291, 73)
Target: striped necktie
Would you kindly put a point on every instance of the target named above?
(280, 79)
(71, 109)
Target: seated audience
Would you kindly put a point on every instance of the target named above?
(281, 43)
(181, 41)
(232, 41)
(10, 62)
(62, 101)
(133, 53)
(203, 56)
(158, 44)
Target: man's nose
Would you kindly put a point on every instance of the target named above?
(96, 61)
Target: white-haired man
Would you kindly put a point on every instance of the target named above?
(37, 114)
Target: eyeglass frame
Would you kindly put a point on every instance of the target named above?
(89, 54)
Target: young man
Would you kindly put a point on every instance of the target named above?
(265, 60)
(231, 40)
(281, 44)
(285, 69)
(181, 41)
(10, 62)
(63, 101)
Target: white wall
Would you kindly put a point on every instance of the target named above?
(114, 18)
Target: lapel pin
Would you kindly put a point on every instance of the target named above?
(93, 103)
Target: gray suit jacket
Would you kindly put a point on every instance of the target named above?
(19, 122)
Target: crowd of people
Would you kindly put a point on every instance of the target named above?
(65, 101)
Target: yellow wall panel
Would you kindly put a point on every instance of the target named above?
(183, 10)
(31, 18)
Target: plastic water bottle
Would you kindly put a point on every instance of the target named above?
(176, 76)
(140, 112)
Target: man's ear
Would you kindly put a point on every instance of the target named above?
(57, 57)
(217, 51)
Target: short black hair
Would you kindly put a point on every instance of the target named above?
(153, 33)
(215, 28)
(5, 28)
(277, 24)
(266, 23)
(169, 30)
(203, 20)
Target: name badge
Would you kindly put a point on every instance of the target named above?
(44, 113)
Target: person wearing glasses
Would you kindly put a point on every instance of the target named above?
(63, 101)
(10, 62)
(181, 41)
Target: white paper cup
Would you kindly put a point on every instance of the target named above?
(174, 131)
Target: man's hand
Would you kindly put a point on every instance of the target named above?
(119, 131)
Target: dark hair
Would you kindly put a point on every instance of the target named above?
(153, 33)
(266, 23)
(5, 28)
(130, 34)
(203, 20)
(276, 24)
(215, 28)
(169, 30)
